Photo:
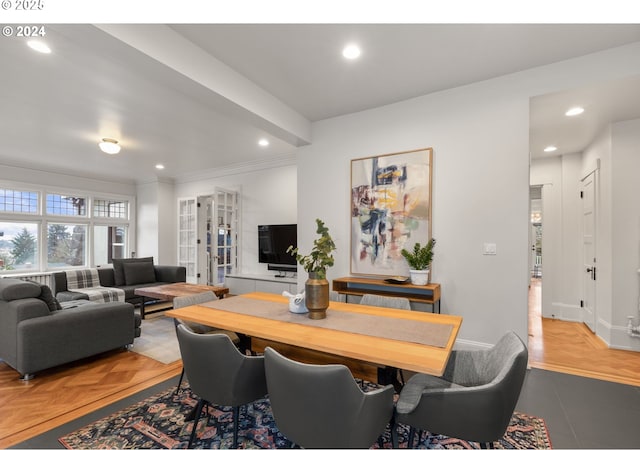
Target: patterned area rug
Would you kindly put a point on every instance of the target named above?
(159, 422)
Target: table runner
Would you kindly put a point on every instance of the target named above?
(433, 334)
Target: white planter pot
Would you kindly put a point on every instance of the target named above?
(419, 277)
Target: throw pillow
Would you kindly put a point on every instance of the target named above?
(47, 296)
(139, 273)
(118, 268)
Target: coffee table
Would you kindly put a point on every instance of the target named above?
(165, 293)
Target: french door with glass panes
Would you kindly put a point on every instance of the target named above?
(225, 242)
(187, 236)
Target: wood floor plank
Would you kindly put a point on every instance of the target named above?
(62, 394)
(571, 347)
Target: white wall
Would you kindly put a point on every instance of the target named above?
(147, 228)
(480, 136)
(625, 231)
(269, 196)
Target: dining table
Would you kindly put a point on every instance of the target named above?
(362, 334)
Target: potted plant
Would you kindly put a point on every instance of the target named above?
(419, 261)
(315, 264)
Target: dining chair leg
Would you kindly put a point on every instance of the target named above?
(195, 421)
(180, 382)
(412, 433)
(236, 419)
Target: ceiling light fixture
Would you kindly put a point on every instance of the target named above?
(575, 111)
(550, 148)
(109, 146)
(351, 51)
(39, 46)
(159, 166)
(263, 143)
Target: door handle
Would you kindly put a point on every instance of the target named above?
(589, 269)
(592, 270)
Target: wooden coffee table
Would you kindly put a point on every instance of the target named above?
(165, 293)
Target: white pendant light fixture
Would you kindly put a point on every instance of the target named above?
(109, 146)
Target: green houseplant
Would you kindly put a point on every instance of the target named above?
(320, 257)
(315, 264)
(419, 261)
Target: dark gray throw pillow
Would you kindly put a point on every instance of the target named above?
(139, 273)
(47, 296)
(118, 268)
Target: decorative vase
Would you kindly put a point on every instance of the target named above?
(419, 277)
(317, 296)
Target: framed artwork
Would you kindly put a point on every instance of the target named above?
(390, 210)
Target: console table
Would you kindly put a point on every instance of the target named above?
(429, 293)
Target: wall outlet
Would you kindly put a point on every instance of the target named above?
(489, 248)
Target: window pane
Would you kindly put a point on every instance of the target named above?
(66, 245)
(111, 208)
(18, 201)
(108, 243)
(63, 205)
(18, 246)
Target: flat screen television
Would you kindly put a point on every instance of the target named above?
(273, 242)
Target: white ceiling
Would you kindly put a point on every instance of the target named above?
(55, 108)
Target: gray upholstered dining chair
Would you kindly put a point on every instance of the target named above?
(218, 373)
(196, 299)
(388, 373)
(321, 406)
(473, 400)
(385, 302)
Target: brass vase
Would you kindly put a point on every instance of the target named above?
(317, 296)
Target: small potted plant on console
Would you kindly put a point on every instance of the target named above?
(420, 262)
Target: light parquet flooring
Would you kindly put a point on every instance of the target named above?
(59, 395)
(571, 347)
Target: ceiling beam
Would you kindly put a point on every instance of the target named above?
(236, 95)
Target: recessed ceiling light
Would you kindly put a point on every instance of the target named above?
(575, 111)
(39, 46)
(109, 146)
(159, 166)
(263, 143)
(351, 51)
(550, 148)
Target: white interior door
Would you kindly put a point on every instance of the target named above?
(589, 275)
(187, 235)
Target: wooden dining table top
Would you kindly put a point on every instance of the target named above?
(375, 349)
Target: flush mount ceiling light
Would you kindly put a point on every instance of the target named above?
(263, 143)
(351, 51)
(575, 111)
(109, 146)
(39, 46)
(159, 166)
(550, 148)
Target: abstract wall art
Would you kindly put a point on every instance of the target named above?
(390, 210)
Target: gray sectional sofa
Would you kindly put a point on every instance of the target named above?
(36, 334)
(126, 274)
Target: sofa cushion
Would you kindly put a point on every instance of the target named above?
(118, 268)
(47, 296)
(139, 273)
(12, 289)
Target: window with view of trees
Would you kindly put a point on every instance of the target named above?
(49, 231)
(18, 246)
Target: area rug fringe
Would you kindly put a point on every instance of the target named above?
(160, 422)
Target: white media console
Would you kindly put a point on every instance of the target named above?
(241, 284)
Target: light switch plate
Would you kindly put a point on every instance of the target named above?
(489, 248)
